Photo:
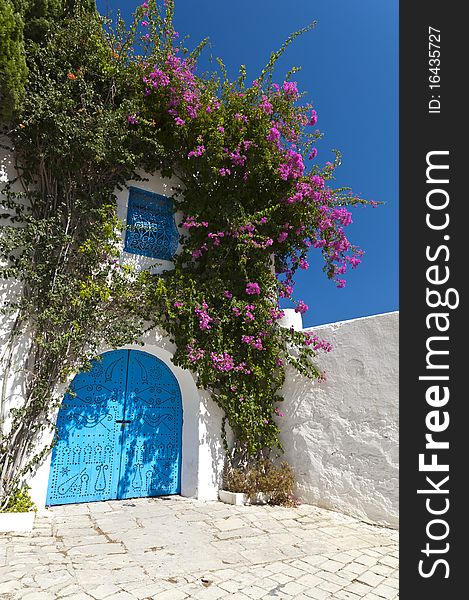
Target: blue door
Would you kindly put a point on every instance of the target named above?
(118, 432)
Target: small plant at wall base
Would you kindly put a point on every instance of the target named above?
(20, 501)
(275, 483)
(254, 202)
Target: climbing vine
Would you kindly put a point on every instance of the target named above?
(252, 210)
(104, 101)
(68, 295)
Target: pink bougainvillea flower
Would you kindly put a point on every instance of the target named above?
(290, 88)
(222, 361)
(197, 152)
(253, 289)
(301, 307)
(274, 136)
(194, 354)
(293, 167)
(204, 318)
(266, 106)
(252, 341)
(313, 119)
(311, 339)
(241, 118)
(282, 237)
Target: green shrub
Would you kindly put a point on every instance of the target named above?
(20, 501)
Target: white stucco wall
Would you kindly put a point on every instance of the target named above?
(9, 291)
(7, 167)
(341, 435)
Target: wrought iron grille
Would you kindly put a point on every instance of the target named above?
(151, 228)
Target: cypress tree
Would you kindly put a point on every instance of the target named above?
(13, 70)
(22, 21)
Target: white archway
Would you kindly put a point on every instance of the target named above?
(202, 450)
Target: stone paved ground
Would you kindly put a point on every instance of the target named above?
(174, 548)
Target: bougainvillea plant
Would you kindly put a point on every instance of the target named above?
(254, 200)
(102, 103)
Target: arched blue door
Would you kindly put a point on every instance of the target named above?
(118, 432)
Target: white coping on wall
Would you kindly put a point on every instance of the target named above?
(338, 323)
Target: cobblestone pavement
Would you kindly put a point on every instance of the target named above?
(174, 548)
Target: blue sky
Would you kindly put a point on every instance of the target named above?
(350, 71)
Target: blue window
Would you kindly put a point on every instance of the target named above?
(151, 228)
